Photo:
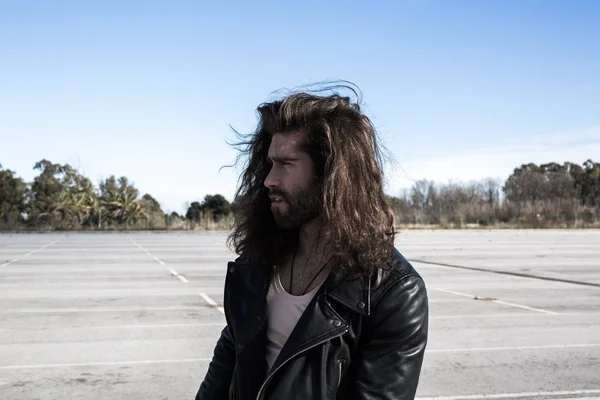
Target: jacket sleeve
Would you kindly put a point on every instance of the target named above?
(217, 380)
(388, 363)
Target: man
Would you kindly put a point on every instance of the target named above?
(319, 304)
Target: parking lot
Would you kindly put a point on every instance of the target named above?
(514, 314)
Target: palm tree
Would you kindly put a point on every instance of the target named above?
(124, 208)
(84, 201)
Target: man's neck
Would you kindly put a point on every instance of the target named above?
(310, 245)
(309, 261)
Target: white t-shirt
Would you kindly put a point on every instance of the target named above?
(284, 311)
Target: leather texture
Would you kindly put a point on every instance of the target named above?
(360, 338)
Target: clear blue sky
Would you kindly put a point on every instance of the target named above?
(458, 90)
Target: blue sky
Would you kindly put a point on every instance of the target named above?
(458, 90)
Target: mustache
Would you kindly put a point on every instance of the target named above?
(279, 193)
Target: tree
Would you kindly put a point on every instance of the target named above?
(589, 185)
(489, 190)
(49, 200)
(400, 207)
(217, 206)
(155, 215)
(194, 212)
(524, 184)
(120, 203)
(150, 204)
(12, 198)
(212, 209)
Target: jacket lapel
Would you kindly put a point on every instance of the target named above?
(320, 322)
(245, 291)
(247, 286)
(351, 291)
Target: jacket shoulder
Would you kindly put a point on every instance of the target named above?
(397, 274)
(397, 267)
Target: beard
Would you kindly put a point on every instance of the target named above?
(303, 206)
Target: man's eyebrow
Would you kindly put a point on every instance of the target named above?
(281, 159)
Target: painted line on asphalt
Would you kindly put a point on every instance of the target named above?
(467, 316)
(140, 247)
(153, 326)
(517, 395)
(181, 278)
(9, 262)
(498, 301)
(28, 254)
(161, 262)
(108, 327)
(525, 307)
(96, 309)
(211, 302)
(103, 294)
(470, 296)
(106, 363)
(141, 275)
(509, 348)
(431, 301)
(510, 273)
(42, 248)
(47, 277)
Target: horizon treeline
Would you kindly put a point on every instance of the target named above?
(533, 196)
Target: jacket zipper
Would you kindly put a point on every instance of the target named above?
(264, 385)
(340, 369)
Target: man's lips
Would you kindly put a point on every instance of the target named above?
(276, 199)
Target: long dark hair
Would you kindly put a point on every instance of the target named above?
(358, 223)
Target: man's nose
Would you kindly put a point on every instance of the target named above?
(271, 180)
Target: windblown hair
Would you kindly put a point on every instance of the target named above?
(358, 223)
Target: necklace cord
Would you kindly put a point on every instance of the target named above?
(312, 280)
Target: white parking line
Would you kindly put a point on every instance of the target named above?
(161, 262)
(95, 309)
(508, 348)
(432, 301)
(498, 301)
(141, 275)
(41, 248)
(516, 395)
(467, 316)
(181, 278)
(9, 262)
(456, 293)
(211, 302)
(99, 364)
(28, 254)
(154, 326)
(525, 307)
(61, 277)
(95, 294)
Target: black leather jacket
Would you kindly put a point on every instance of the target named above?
(359, 338)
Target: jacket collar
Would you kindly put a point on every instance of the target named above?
(246, 306)
(354, 292)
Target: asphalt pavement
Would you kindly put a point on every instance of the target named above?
(136, 315)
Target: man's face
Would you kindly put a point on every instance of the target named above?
(294, 192)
